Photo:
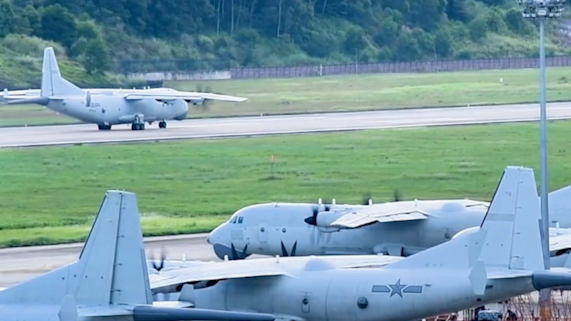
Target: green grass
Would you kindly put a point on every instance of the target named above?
(351, 93)
(50, 195)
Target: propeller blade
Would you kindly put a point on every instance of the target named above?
(159, 266)
(312, 220)
(396, 195)
(366, 199)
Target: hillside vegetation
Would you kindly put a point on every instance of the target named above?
(98, 36)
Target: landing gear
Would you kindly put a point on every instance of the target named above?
(104, 127)
(163, 124)
(138, 124)
(135, 126)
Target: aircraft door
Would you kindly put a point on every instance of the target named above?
(263, 233)
(94, 107)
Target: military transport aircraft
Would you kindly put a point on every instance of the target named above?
(399, 228)
(109, 280)
(501, 259)
(108, 107)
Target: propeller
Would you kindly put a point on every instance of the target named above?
(396, 195)
(312, 220)
(159, 266)
(242, 255)
(368, 200)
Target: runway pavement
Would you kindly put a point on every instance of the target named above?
(20, 264)
(265, 125)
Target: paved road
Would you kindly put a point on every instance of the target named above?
(247, 126)
(20, 264)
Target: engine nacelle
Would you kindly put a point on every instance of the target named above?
(324, 219)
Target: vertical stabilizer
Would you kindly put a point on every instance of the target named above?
(513, 223)
(52, 82)
(560, 206)
(111, 269)
(113, 264)
(509, 237)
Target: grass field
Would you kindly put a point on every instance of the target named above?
(50, 195)
(351, 93)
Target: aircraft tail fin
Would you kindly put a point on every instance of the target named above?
(111, 270)
(53, 84)
(560, 205)
(509, 237)
(112, 267)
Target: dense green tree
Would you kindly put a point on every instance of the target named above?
(6, 18)
(443, 42)
(222, 33)
(58, 24)
(478, 28)
(96, 56)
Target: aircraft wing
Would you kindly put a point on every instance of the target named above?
(371, 214)
(559, 242)
(188, 96)
(211, 271)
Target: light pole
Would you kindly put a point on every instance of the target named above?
(543, 10)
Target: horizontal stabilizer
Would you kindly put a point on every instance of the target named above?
(38, 100)
(151, 313)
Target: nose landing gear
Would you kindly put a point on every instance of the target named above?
(163, 124)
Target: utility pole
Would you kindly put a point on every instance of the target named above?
(542, 10)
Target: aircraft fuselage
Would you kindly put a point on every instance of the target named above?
(264, 228)
(280, 229)
(113, 110)
(357, 294)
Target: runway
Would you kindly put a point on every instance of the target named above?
(267, 125)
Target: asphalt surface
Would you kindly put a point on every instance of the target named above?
(266, 125)
(20, 264)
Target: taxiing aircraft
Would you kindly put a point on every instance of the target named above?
(106, 107)
(501, 259)
(399, 228)
(109, 280)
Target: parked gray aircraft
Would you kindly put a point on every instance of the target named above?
(398, 228)
(110, 279)
(110, 107)
(501, 259)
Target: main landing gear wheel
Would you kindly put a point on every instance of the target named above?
(163, 124)
(104, 127)
(137, 126)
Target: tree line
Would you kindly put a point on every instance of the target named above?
(99, 34)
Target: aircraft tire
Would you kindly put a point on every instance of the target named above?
(163, 124)
(104, 127)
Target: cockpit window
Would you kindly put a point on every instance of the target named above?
(234, 220)
(240, 219)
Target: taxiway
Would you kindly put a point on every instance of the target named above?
(23, 263)
(268, 125)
